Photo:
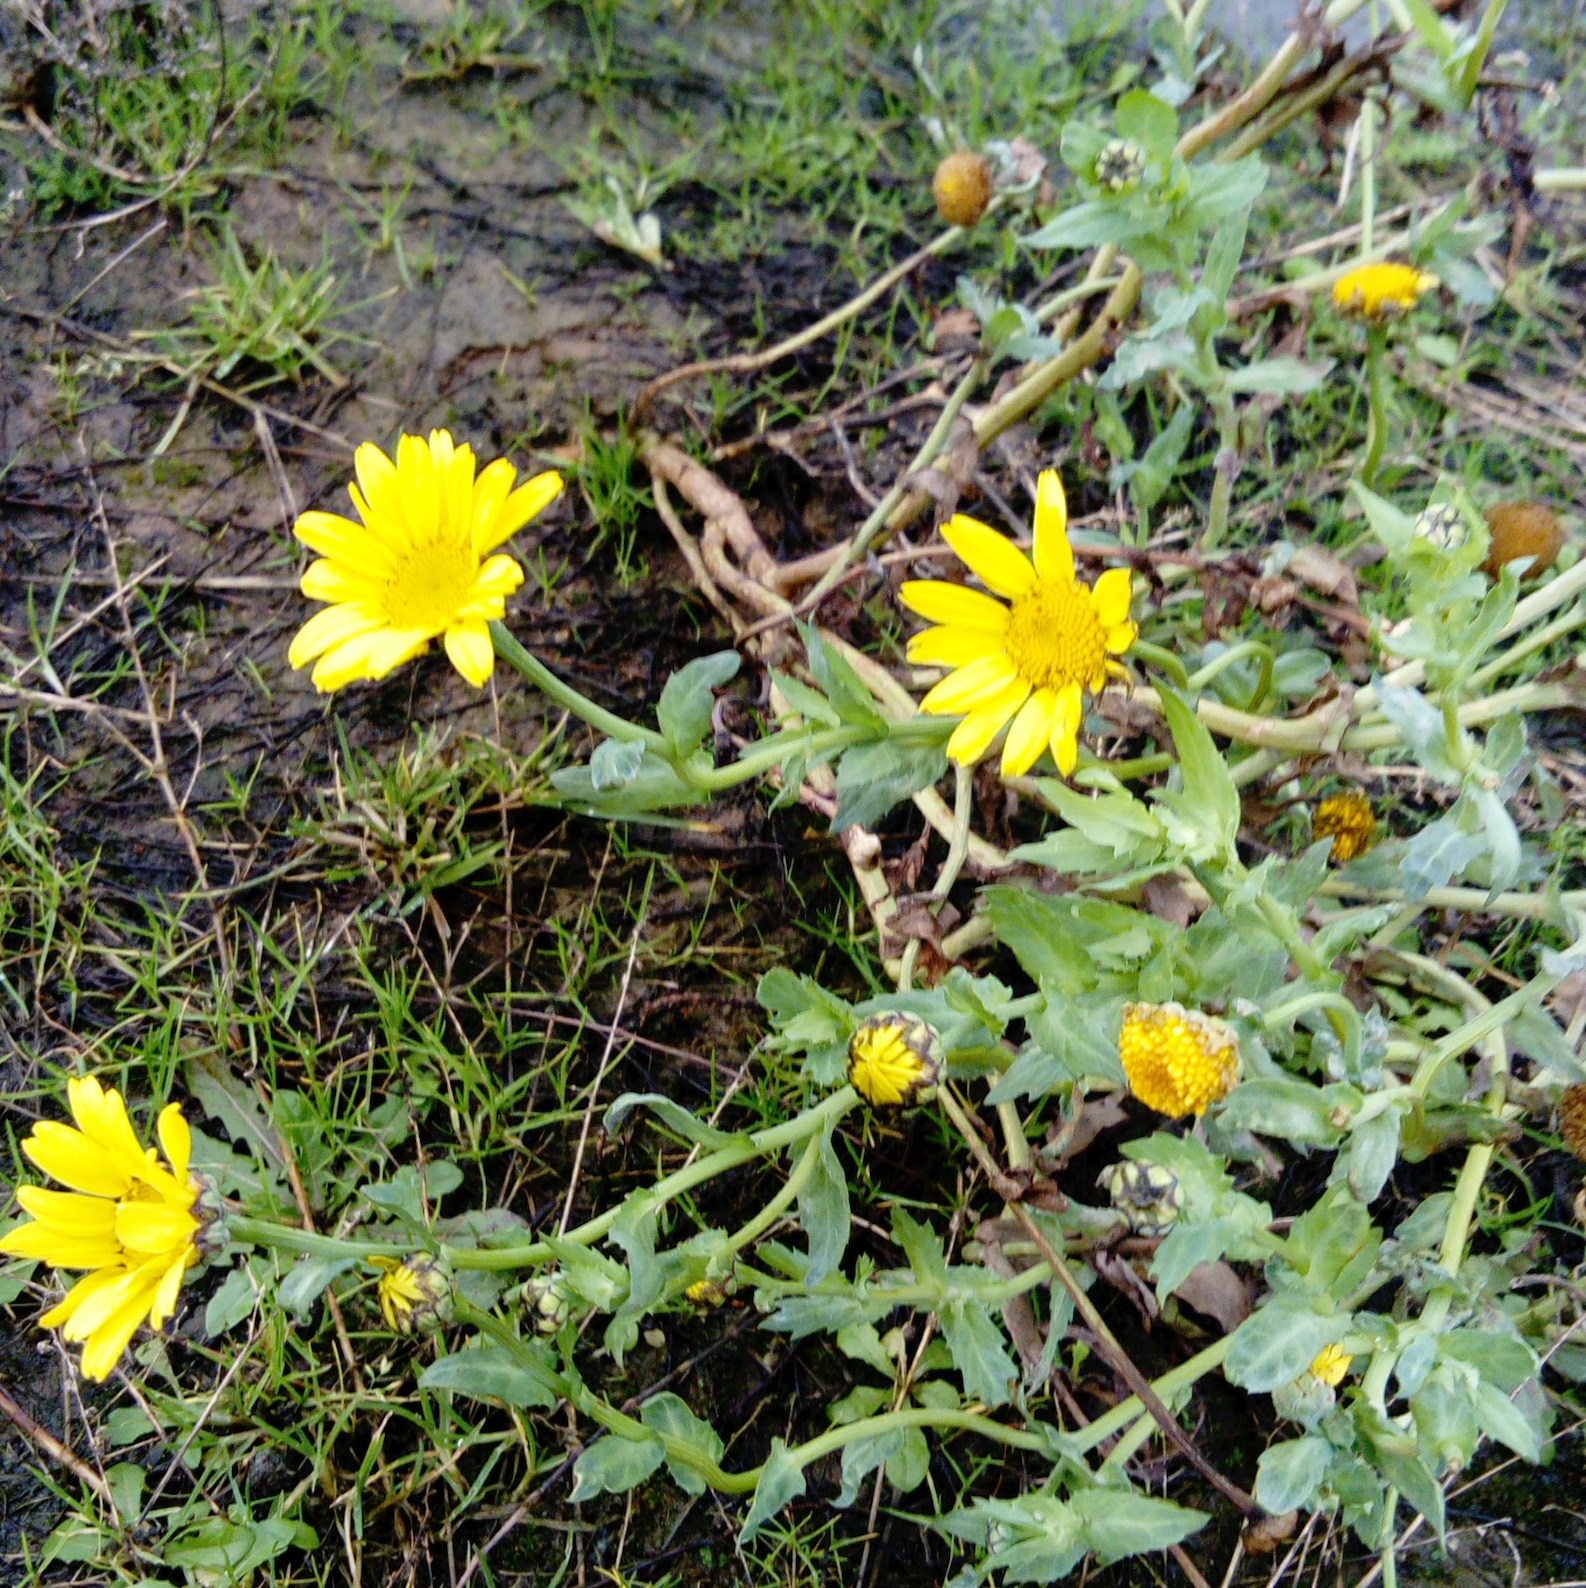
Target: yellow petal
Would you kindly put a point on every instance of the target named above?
(342, 540)
(1119, 639)
(1030, 733)
(974, 734)
(111, 1338)
(102, 1304)
(1000, 564)
(528, 501)
(441, 449)
(176, 1137)
(1054, 557)
(950, 646)
(332, 627)
(954, 604)
(1111, 596)
(418, 486)
(468, 645)
(380, 504)
(1065, 728)
(972, 686)
(339, 581)
(101, 1115)
(61, 1249)
(68, 1211)
(154, 1228)
(457, 483)
(497, 578)
(68, 1156)
(393, 647)
(366, 657)
(490, 491)
(85, 1289)
(164, 1303)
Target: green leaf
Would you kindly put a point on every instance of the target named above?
(126, 1480)
(1283, 1106)
(614, 1465)
(844, 687)
(1393, 527)
(1151, 476)
(921, 1245)
(306, 1280)
(1421, 726)
(1373, 1151)
(810, 704)
(1502, 1420)
(1117, 1523)
(1222, 263)
(872, 778)
(654, 787)
(823, 1210)
(1148, 121)
(684, 709)
(1440, 851)
(615, 763)
(674, 1116)
(1289, 377)
(979, 1354)
(1502, 1359)
(1274, 1345)
(781, 1480)
(489, 1372)
(233, 1302)
(1206, 808)
(1086, 226)
(1289, 1474)
(669, 1416)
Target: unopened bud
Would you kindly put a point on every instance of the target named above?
(1120, 165)
(1147, 1195)
(548, 1301)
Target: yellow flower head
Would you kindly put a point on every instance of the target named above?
(1331, 1363)
(1028, 663)
(712, 1292)
(419, 566)
(962, 188)
(894, 1059)
(1178, 1061)
(1375, 293)
(1349, 821)
(415, 1292)
(126, 1217)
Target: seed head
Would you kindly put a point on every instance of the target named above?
(1149, 1196)
(1349, 821)
(546, 1296)
(1523, 529)
(1444, 526)
(1572, 1119)
(415, 1292)
(1120, 165)
(962, 187)
(1178, 1061)
(895, 1060)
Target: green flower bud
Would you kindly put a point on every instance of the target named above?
(1149, 1196)
(548, 1300)
(1120, 165)
(1444, 526)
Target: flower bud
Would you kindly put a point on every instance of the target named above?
(415, 1292)
(548, 1301)
(1148, 1195)
(1444, 526)
(1120, 165)
(895, 1060)
(710, 1293)
(1306, 1401)
(213, 1236)
(962, 188)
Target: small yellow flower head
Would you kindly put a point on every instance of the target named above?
(127, 1218)
(1148, 1195)
(1349, 821)
(962, 188)
(548, 1301)
(418, 568)
(1025, 666)
(1442, 526)
(1179, 1061)
(894, 1060)
(1331, 1364)
(710, 1293)
(1378, 293)
(1120, 165)
(415, 1292)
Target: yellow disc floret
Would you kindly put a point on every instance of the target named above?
(894, 1059)
(1024, 667)
(1331, 1364)
(1376, 293)
(419, 567)
(1178, 1061)
(1349, 821)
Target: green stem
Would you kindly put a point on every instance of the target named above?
(1163, 660)
(1167, 1387)
(1223, 471)
(1377, 394)
(1202, 676)
(774, 1209)
(538, 674)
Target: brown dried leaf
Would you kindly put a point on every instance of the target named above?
(1216, 1290)
(1317, 567)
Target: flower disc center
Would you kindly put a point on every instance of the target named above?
(1055, 637)
(429, 584)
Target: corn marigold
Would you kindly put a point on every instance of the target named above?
(1377, 293)
(126, 1217)
(894, 1059)
(415, 1293)
(1349, 821)
(1178, 1061)
(1024, 666)
(1331, 1364)
(418, 567)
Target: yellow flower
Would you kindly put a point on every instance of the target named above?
(415, 1292)
(1028, 663)
(1331, 1363)
(1375, 293)
(126, 1217)
(894, 1059)
(1349, 821)
(418, 567)
(1178, 1061)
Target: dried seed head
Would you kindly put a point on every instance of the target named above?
(895, 1060)
(1349, 821)
(1523, 529)
(1120, 165)
(962, 187)
(1148, 1195)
